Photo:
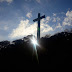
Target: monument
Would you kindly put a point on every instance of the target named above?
(38, 27)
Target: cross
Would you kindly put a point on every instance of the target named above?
(38, 28)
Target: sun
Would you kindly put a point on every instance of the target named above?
(34, 41)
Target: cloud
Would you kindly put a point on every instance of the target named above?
(9, 1)
(45, 28)
(38, 1)
(54, 19)
(54, 14)
(69, 13)
(58, 19)
(29, 14)
(68, 19)
(25, 28)
(58, 26)
(48, 19)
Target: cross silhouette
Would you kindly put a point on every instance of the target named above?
(38, 28)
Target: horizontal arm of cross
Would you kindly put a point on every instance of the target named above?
(39, 18)
(42, 17)
(35, 20)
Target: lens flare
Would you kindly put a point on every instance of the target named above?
(35, 44)
(34, 41)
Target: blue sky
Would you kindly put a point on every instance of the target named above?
(16, 17)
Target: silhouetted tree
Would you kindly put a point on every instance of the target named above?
(48, 35)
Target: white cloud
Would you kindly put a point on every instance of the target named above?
(45, 28)
(9, 1)
(24, 29)
(68, 19)
(29, 14)
(58, 26)
(54, 14)
(69, 13)
(58, 19)
(54, 19)
(38, 1)
(44, 25)
(46, 20)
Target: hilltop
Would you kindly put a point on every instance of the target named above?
(55, 49)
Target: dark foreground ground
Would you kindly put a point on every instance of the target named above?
(52, 51)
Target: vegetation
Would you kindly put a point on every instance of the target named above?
(52, 50)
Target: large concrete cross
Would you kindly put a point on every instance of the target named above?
(38, 28)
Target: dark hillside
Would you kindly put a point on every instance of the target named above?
(53, 50)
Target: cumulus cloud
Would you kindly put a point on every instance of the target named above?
(48, 19)
(69, 13)
(68, 19)
(58, 26)
(25, 28)
(29, 14)
(9, 1)
(44, 25)
(45, 28)
(56, 19)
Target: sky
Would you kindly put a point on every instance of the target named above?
(16, 17)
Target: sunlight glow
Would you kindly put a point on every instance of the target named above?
(34, 41)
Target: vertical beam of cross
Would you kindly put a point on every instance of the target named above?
(38, 27)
